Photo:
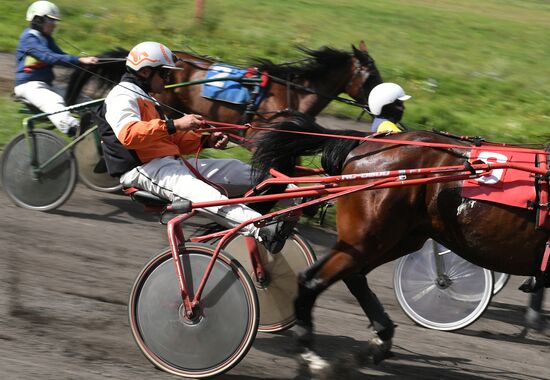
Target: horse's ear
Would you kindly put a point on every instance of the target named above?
(362, 46)
(354, 49)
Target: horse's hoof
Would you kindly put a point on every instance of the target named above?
(529, 285)
(376, 351)
(380, 349)
(313, 362)
(535, 320)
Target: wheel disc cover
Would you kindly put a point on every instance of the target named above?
(18, 178)
(216, 336)
(277, 296)
(447, 308)
(87, 157)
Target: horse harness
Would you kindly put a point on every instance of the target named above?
(253, 105)
(542, 207)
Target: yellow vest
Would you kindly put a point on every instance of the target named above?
(388, 126)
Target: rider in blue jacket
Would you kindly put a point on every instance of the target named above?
(36, 54)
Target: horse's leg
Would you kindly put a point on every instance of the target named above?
(379, 319)
(379, 347)
(359, 287)
(311, 284)
(309, 289)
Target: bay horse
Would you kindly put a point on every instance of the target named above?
(377, 226)
(305, 86)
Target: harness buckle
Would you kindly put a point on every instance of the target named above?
(468, 166)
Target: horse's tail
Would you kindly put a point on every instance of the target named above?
(107, 73)
(281, 149)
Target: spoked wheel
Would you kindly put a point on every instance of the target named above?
(38, 191)
(448, 298)
(276, 292)
(501, 279)
(91, 171)
(221, 334)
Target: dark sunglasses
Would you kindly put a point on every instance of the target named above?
(164, 74)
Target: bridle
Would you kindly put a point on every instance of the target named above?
(363, 67)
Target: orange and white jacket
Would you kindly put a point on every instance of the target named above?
(134, 118)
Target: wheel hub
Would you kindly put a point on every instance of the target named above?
(190, 318)
(443, 281)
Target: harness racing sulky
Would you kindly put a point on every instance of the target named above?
(425, 185)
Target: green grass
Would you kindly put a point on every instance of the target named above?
(472, 67)
(478, 67)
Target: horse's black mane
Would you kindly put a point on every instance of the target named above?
(281, 150)
(111, 71)
(320, 62)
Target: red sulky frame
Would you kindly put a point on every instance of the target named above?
(324, 189)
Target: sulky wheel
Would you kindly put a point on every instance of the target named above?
(91, 171)
(38, 190)
(501, 279)
(277, 291)
(439, 290)
(222, 332)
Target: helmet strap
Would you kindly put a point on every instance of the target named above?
(142, 82)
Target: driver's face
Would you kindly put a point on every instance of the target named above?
(159, 80)
(48, 26)
(393, 111)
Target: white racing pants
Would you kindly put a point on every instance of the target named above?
(170, 178)
(47, 99)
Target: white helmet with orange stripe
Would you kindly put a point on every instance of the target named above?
(150, 54)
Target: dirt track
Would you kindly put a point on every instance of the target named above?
(65, 278)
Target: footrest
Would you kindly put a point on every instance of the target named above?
(148, 198)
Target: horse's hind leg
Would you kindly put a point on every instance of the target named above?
(312, 282)
(379, 319)
(382, 324)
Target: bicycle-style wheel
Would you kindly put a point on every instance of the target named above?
(501, 279)
(226, 325)
(447, 299)
(90, 169)
(277, 292)
(41, 191)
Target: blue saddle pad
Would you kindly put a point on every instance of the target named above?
(225, 90)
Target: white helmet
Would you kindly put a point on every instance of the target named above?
(43, 8)
(150, 54)
(383, 94)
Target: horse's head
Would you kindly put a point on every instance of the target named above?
(365, 74)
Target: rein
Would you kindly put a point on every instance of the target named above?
(219, 126)
(289, 83)
(286, 82)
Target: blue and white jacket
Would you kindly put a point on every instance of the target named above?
(35, 56)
